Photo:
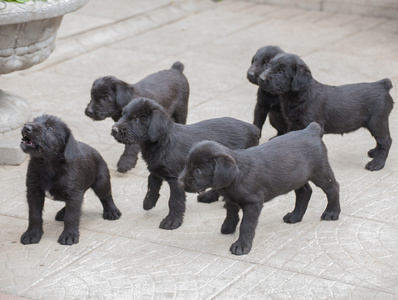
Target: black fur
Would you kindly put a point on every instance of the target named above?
(248, 178)
(65, 168)
(267, 103)
(165, 145)
(109, 95)
(339, 109)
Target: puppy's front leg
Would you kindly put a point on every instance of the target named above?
(70, 235)
(176, 206)
(152, 194)
(128, 159)
(208, 196)
(260, 114)
(35, 229)
(243, 245)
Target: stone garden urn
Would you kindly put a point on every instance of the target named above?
(27, 37)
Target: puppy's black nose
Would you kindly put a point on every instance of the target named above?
(89, 112)
(250, 74)
(28, 128)
(115, 130)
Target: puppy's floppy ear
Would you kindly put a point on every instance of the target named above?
(302, 77)
(123, 91)
(159, 125)
(225, 171)
(72, 149)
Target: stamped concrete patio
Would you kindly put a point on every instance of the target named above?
(355, 257)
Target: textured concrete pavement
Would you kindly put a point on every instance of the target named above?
(355, 257)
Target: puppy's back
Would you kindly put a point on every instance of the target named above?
(301, 145)
(230, 132)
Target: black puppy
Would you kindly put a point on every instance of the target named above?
(339, 109)
(64, 168)
(248, 178)
(165, 145)
(267, 103)
(109, 95)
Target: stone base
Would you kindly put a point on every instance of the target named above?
(10, 151)
(14, 112)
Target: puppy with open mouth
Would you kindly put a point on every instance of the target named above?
(247, 178)
(64, 169)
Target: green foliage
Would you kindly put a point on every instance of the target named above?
(19, 1)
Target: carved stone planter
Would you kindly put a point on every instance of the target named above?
(27, 37)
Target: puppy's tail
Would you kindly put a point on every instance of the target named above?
(386, 82)
(178, 66)
(316, 128)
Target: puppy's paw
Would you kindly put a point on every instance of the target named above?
(292, 218)
(170, 223)
(112, 214)
(229, 226)
(330, 215)
(68, 238)
(60, 215)
(372, 152)
(240, 248)
(208, 197)
(126, 163)
(31, 236)
(375, 164)
(150, 202)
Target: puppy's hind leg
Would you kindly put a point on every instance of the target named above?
(61, 214)
(327, 182)
(381, 133)
(232, 218)
(128, 159)
(303, 196)
(152, 194)
(102, 188)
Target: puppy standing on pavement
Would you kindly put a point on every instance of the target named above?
(109, 95)
(338, 109)
(64, 168)
(248, 178)
(267, 103)
(165, 146)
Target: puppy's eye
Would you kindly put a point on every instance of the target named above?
(49, 127)
(198, 171)
(136, 120)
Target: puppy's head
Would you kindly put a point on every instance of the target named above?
(48, 136)
(285, 73)
(108, 96)
(260, 61)
(142, 120)
(208, 165)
